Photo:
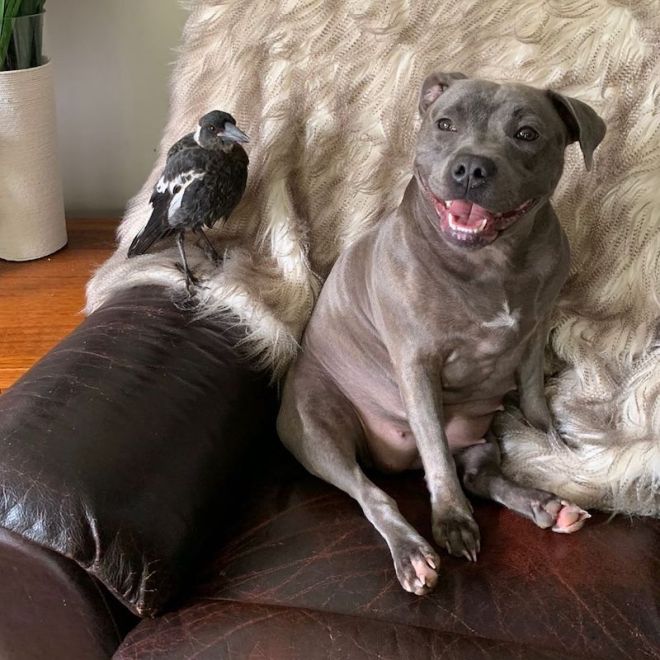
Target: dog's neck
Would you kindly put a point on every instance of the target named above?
(422, 226)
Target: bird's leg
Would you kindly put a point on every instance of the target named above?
(210, 252)
(190, 279)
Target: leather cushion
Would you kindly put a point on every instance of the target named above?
(303, 572)
(118, 445)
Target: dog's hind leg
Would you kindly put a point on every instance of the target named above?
(481, 471)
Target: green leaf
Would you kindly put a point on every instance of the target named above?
(25, 50)
(30, 7)
(11, 9)
(26, 43)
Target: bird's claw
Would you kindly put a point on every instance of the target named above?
(191, 281)
(215, 259)
(212, 255)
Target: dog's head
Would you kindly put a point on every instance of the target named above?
(489, 154)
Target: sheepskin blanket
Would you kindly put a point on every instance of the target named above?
(328, 91)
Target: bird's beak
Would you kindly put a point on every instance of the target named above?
(235, 134)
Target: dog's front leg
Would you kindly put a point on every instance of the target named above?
(530, 381)
(454, 527)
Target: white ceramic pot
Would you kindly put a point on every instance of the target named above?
(31, 203)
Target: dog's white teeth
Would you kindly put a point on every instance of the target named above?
(448, 203)
(465, 230)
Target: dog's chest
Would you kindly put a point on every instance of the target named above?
(504, 318)
(485, 353)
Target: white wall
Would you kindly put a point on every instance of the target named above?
(112, 64)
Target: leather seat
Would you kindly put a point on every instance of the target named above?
(302, 574)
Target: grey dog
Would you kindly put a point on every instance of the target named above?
(433, 316)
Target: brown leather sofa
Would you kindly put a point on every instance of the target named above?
(148, 511)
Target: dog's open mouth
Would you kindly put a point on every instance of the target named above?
(471, 225)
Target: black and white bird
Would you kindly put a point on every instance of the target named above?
(203, 181)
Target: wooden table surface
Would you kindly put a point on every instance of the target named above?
(41, 301)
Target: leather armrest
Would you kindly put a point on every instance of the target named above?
(52, 609)
(120, 447)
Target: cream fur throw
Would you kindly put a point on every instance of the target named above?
(327, 89)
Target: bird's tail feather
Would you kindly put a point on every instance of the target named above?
(155, 229)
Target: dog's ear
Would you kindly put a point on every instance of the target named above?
(582, 123)
(433, 86)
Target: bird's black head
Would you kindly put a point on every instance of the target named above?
(218, 130)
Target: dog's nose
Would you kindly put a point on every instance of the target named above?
(472, 171)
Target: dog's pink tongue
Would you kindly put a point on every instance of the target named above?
(468, 214)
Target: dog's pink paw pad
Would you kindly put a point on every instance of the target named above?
(570, 518)
(417, 569)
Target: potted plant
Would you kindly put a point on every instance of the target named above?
(31, 205)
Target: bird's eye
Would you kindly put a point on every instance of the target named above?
(445, 124)
(212, 129)
(527, 134)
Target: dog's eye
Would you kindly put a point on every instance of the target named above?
(527, 133)
(445, 124)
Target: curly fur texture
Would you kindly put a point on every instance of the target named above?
(328, 91)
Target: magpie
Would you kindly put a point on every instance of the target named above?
(204, 179)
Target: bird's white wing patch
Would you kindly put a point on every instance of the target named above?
(177, 187)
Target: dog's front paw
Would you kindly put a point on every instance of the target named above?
(458, 533)
(416, 566)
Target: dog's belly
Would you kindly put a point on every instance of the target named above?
(390, 443)
(360, 366)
